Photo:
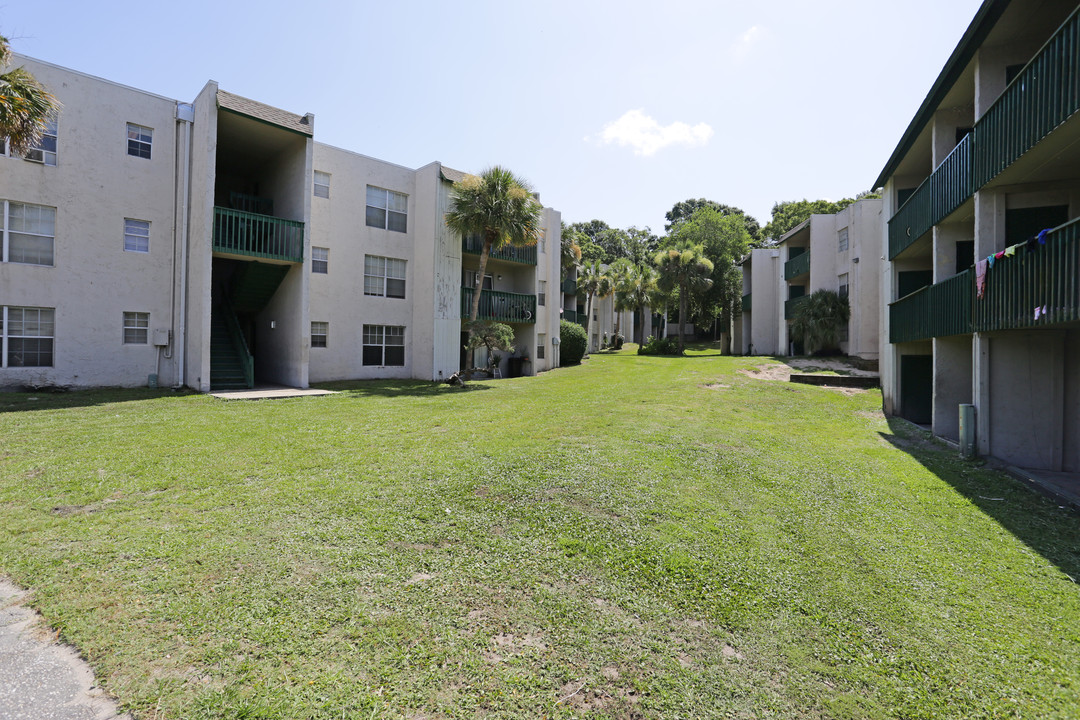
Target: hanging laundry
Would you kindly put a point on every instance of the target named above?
(980, 278)
(1032, 243)
(1011, 250)
(1042, 235)
(990, 259)
(999, 254)
(1038, 311)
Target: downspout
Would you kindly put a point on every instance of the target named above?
(185, 114)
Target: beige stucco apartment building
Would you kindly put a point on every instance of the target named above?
(838, 252)
(216, 244)
(981, 267)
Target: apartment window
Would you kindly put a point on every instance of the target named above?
(387, 209)
(139, 140)
(384, 277)
(322, 184)
(28, 233)
(541, 342)
(136, 327)
(320, 260)
(45, 150)
(136, 236)
(319, 332)
(26, 334)
(541, 296)
(842, 240)
(384, 345)
(541, 245)
(842, 281)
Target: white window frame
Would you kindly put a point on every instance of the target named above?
(323, 268)
(320, 329)
(322, 189)
(381, 276)
(135, 240)
(378, 199)
(842, 240)
(6, 336)
(843, 285)
(6, 231)
(38, 154)
(470, 280)
(541, 293)
(143, 136)
(376, 336)
(541, 340)
(136, 328)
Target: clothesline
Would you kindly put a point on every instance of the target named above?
(986, 264)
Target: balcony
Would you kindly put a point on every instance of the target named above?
(569, 287)
(746, 302)
(796, 266)
(246, 233)
(1044, 95)
(500, 306)
(473, 245)
(789, 306)
(1015, 287)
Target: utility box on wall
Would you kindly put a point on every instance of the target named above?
(161, 338)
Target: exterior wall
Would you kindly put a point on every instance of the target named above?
(94, 186)
(762, 273)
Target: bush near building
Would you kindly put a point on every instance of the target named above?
(573, 342)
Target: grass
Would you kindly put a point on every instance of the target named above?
(637, 537)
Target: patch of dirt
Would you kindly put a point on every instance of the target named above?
(731, 653)
(781, 371)
(717, 386)
(482, 491)
(418, 578)
(516, 644)
(871, 414)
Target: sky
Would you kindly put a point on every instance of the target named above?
(611, 110)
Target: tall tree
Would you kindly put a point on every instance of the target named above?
(818, 318)
(25, 105)
(725, 241)
(588, 239)
(592, 282)
(684, 269)
(500, 208)
(638, 294)
(790, 213)
(570, 252)
(622, 273)
(682, 211)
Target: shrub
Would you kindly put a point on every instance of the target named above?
(572, 343)
(659, 346)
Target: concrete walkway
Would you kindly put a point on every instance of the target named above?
(41, 679)
(269, 392)
(1061, 487)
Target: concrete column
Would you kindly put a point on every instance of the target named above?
(945, 239)
(952, 383)
(989, 222)
(980, 390)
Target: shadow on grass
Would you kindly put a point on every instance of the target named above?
(1035, 520)
(399, 388)
(22, 401)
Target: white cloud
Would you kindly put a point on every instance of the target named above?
(746, 42)
(645, 135)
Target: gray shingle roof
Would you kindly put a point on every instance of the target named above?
(453, 175)
(267, 113)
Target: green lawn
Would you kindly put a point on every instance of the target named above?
(632, 538)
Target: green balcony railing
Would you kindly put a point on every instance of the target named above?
(473, 245)
(1043, 95)
(789, 306)
(796, 266)
(569, 315)
(1045, 277)
(500, 306)
(746, 304)
(246, 233)
(569, 287)
(945, 190)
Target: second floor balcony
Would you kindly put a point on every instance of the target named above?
(796, 266)
(499, 306)
(473, 245)
(238, 232)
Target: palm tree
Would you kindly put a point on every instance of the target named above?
(622, 273)
(638, 294)
(818, 318)
(593, 282)
(500, 208)
(25, 105)
(684, 268)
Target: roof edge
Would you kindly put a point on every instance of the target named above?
(984, 20)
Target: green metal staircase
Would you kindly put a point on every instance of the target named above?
(231, 365)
